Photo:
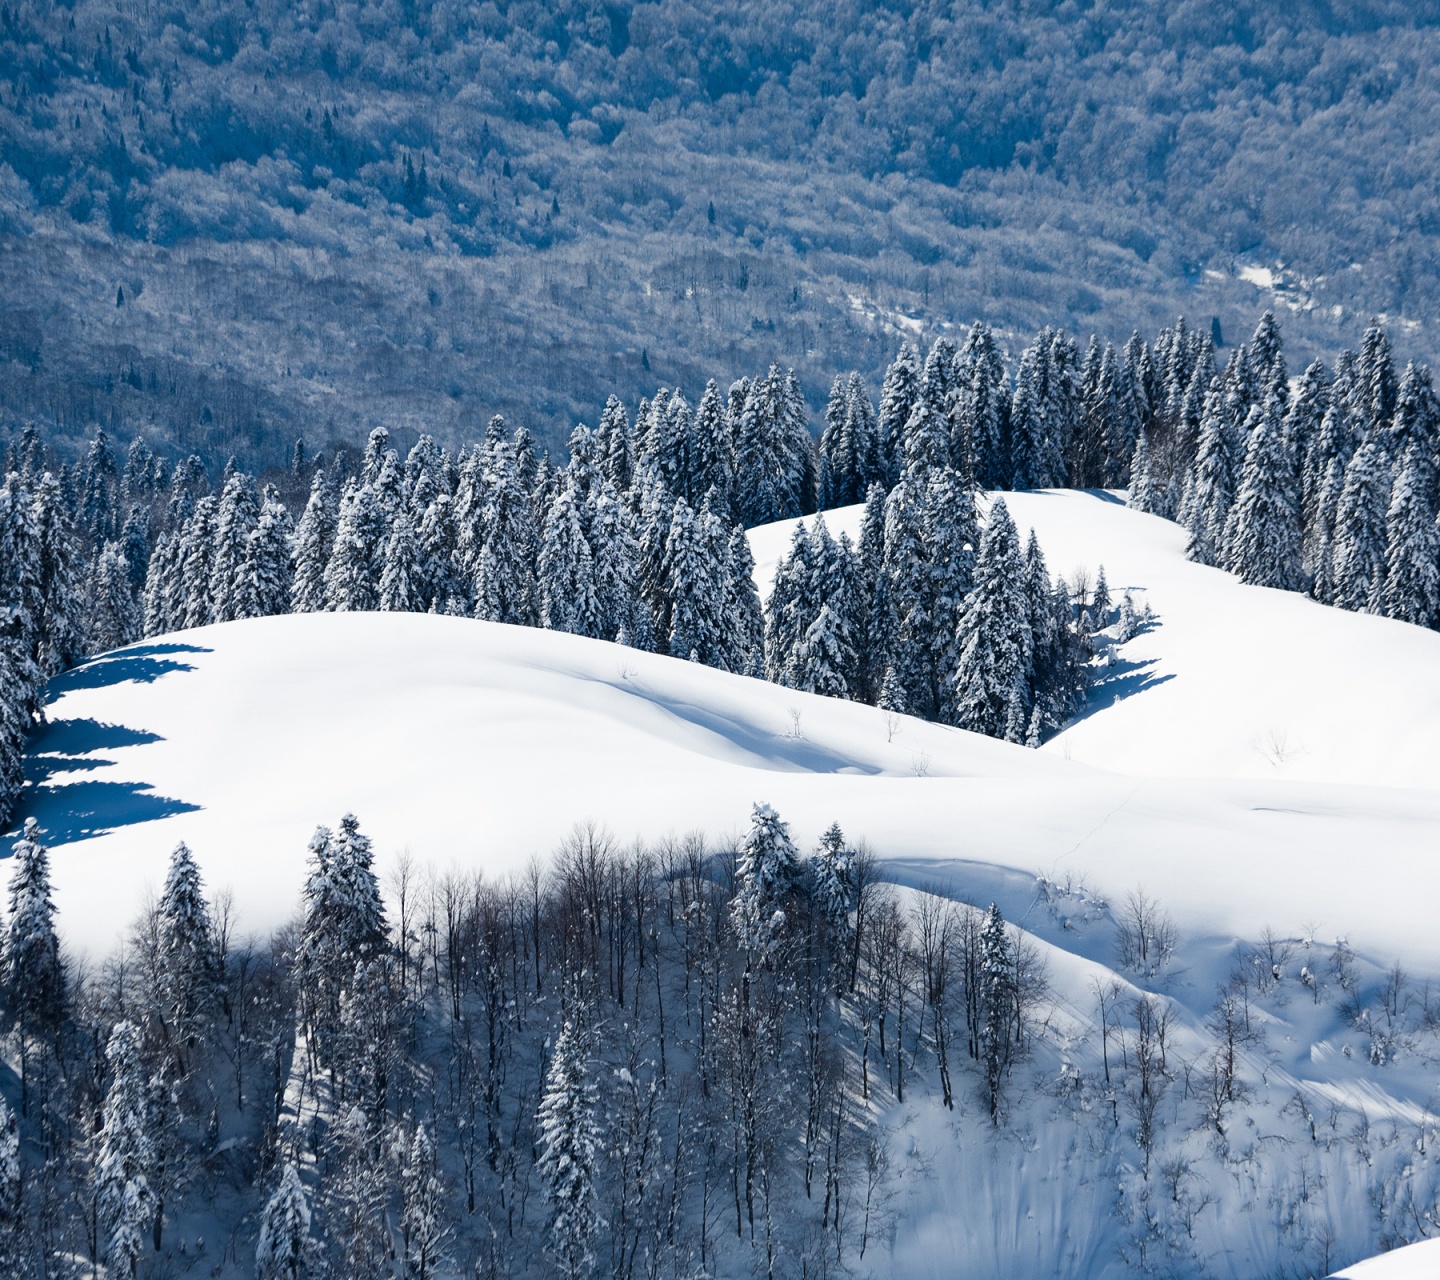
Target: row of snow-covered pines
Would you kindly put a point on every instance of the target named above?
(656, 1062)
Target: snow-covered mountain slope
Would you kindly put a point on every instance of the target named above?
(478, 746)
(1233, 681)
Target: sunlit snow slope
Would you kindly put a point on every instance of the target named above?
(1233, 681)
(478, 746)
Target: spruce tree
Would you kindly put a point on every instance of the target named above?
(982, 410)
(314, 541)
(125, 1156)
(437, 578)
(696, 588)
(713, 454)
(825, 653)
(286, 1249)
(422, 1208)
(833, 873)
(1412, 553)
(14, 1251)
(897, 400)
(1360, 533)
(503, 582)
(197, 557)
(115, 618)
(1211, 490)
(185, 949)
(566, 575)
(266, 582)
(1145, 493)
(995, 653)
(617, 444)
(352, 576)
(135, 546)
(767, 874)
(235, 520)
(996, 1004)
(1262, 539)
(400, 588)
(34, 976)
(20, 699)
(746, 655)
(568, 1132)
(60, 640)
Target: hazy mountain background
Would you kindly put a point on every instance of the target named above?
(230, 224)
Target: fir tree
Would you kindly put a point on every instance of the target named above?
(266, 583)
(696, 587)
(286, 1250)
(996, 1003)
(566, 578)
(1262, 539)
(713, 457)
(568, 1131)
(60, 639)
(1145, 493)
(982, 405)
(766, 876)
(314, 541)
(125, 1155)
(135, 547)
(995, 658)
(422, 1207)
(20, 697)
(100, 504)
(1412, 553)
(1211, 490)
(189, 970)
(352, 576)
(1360, 534)
(197, 556)
(400, 589)
(14, 1254)
(746, 655)
(235, 520)
(34, 975)
(115, 619)
(825, 653)
(437, 580)
(832, 869)
(897, 401)
(503, 583)
(617, 444)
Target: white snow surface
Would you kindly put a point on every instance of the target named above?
(1232, 681)
(479, 746)
(1414, 1262)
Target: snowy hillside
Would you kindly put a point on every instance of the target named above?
(477, 746)
(481, 745)
(1234, 681)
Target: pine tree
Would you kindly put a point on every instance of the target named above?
(197, 556)
(115, 619)
(1211, 490)
(235, 520)
(1416, 421)
(897, 401)
(1360, 535)
(951, 535)
(746, 654)
(566, 579)
(825, 653)
(794, 600)
(422, 1200)
(20, 698)
(832, 869)
(1145, 494)
(100, 504)
(34, 976)
(503, 582)
(873, 599)
(618, 444)
(125, 1155)
(185, 949)
(437, 579)
(266, 583)
(14, 1255)
(982, 405)
(568, 1131)
(1267, 359)
(1412, 554)
(906, 587)
(996, 1003)
(400, 589)
(352, 576)
(135, 546)
(696, 587)
(1262, 538)
(713, 458)
(286, 1250)
(314, 541)
(995, 659)
(1374, 389)
(766, 876)
(60, 640)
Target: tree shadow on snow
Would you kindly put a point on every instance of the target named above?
(142, 664)
(77, 810)
(1123, 679)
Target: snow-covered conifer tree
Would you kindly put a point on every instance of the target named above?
(1412, 553)
(995, 657)
(266, 576)
(982, 404)
(189, 971)
(746, 654)
(898, 394)
(569, 600)
(833, 870)
(422, 1207)
(503, 582)
(314, 541)
(1360, 533)
(766, 875)
(14, 1259)
(996, 1004)
(1145, 493)
(352, 576)
(34, 977)
(1262, 531)
(568, 1130)
(235, 520)
(400, 588)
(60, 640)
(197, 552)
(286, 1250)
(114, 613)
(1211, 490)
(125, 1156)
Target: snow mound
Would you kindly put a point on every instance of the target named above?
(478, 746)
(1231, 681)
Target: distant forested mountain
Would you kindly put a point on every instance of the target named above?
(229, 224)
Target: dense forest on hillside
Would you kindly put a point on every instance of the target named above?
(229, 225)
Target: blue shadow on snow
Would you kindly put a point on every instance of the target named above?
(78, 810)
(143, 664)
